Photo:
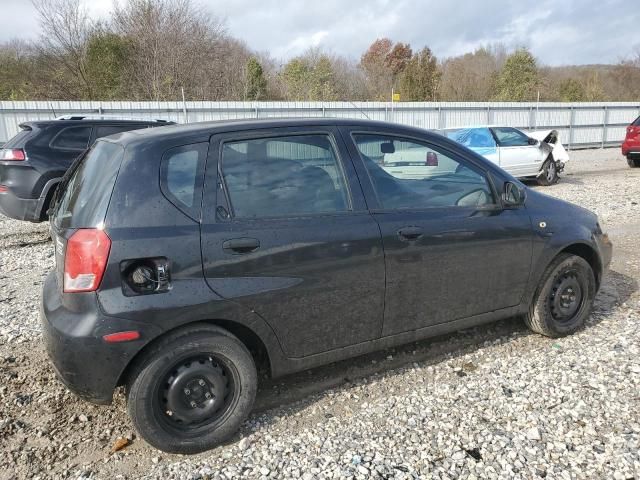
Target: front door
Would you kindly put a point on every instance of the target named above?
(451, 251)
(286, 233)
(517, 156)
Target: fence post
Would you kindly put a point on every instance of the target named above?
(572, 119)
(440, 118)
(605, 122)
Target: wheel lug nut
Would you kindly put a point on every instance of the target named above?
(201, 383)
(193, 404)
(207, 395)
(187, 391)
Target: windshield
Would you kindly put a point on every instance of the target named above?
(86, 197)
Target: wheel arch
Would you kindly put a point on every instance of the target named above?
(588, 253)
(254, 343)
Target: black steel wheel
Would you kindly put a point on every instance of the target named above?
(192, 389)
(563, 300)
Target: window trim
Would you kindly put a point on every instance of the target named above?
(248, 136)
(69, 127)
(497, 202)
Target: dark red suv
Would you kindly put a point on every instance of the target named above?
(631, 144)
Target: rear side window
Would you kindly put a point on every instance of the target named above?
(181, 176)
(106, 130)
(86, 197)
(72, 138)
(284, 176)
(636, 122)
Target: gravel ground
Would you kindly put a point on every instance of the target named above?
(490, 402)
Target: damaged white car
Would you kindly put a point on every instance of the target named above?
(538, 154)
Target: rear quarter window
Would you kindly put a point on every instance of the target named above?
(72, 138)
(86, 197)
(636, 122)
(181, 177)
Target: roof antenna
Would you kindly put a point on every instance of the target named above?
(54, 112)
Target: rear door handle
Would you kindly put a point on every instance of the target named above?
(241, 245)
(410, 233)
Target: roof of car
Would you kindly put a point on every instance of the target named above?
(219, 126)
(80, 120)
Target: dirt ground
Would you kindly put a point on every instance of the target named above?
(46, 432)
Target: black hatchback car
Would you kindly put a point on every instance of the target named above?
(33, 162)
(189, 256)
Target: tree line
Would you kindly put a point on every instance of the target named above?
(162, 49)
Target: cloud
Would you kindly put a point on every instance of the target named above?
(568, 32)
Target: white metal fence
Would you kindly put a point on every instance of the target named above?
(580, 124)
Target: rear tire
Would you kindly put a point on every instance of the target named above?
(633, 162)
(192, 389)
(564, 298)
(549, 174)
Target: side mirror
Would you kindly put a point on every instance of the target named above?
(513, 195)
(533, 141)
(387, 147)
(432, 159)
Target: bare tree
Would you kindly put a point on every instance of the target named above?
(66, 28)
(174, 42)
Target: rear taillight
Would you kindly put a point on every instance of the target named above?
(16, 154)
(85, 260)
(4, 189)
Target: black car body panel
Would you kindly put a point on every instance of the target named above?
(31, 183)
(320, 287)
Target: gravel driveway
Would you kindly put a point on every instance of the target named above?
(489, 402)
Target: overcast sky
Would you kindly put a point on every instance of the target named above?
(558, 32)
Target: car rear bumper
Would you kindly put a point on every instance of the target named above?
(631, 148)
(19, 208)
(73, 330)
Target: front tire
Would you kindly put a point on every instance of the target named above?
(192, 390)
(549, 174)
(633, 162)
(564, 298)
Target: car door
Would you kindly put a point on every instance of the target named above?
(517, 155)
(285, 232)
(451, 250)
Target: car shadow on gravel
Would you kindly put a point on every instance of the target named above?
(616, 289)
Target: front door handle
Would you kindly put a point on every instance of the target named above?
(410, 233)
(242, 245)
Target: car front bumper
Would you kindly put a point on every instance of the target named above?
(73, 327)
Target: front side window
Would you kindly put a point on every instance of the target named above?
(72, 138)
(510, 137)
(407, 174)
(293, 175)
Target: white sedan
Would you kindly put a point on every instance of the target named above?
(537, 154)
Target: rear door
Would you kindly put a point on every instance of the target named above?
(286, 232)
(517, 156)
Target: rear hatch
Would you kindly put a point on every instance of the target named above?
(84, 198)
